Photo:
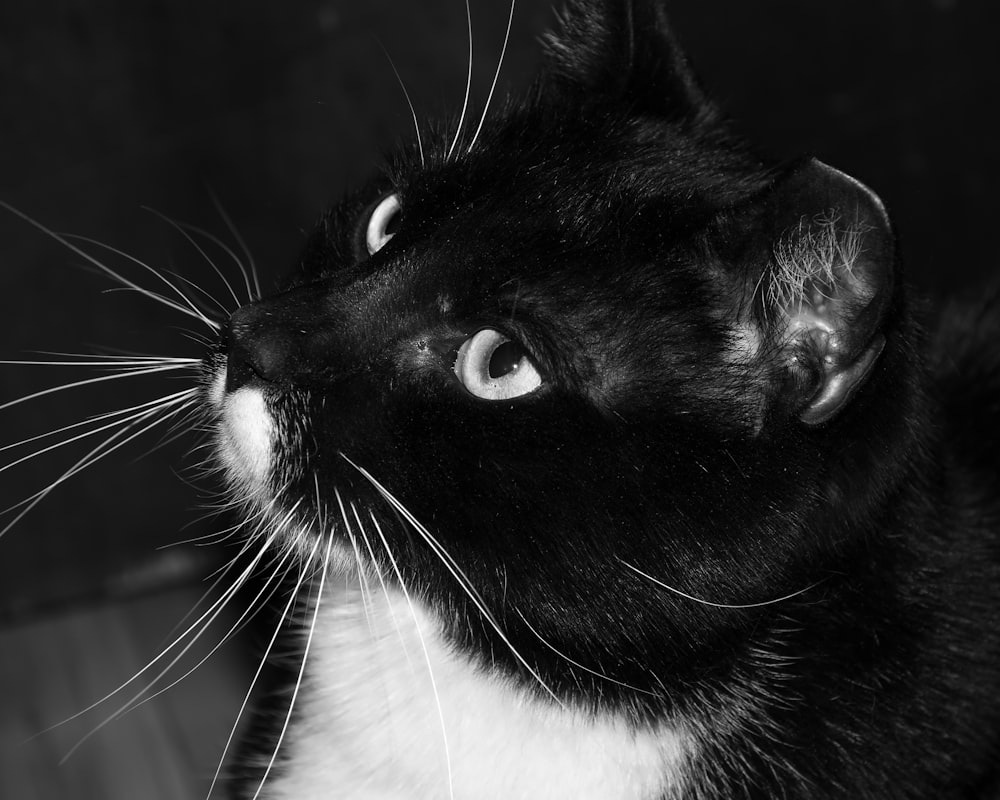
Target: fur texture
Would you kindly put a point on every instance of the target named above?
(742, 542)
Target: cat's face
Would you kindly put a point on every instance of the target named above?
(525, 367)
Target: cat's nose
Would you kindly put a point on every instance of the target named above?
(254, 351)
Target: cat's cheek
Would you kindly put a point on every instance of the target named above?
(246, 433)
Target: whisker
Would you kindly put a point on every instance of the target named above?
(253, 608)
(138, 699)
(197, 338)
(91, 421)
(201, 251)
(409, 102)
(161, 404)
(381, 580)
(105, 448)
(305, 658)
(180, 427)
(205, 295)
(427, 656)
(213, 609)
(468, 86)
(362, 578)
(114, 362)
(66, 241)
(260, 520)
(88, 381)
(226, 533)
(256, 293)
(496, 76)
(456, 572)
(577, 663)
(256, 677)
(687, 596)
(229, 252)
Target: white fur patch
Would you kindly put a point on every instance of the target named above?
(369, 725)
(246, 434)
(217, 391)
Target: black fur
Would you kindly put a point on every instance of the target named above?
(615, 225)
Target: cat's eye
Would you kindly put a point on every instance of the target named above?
(494, 367)
(383, 223)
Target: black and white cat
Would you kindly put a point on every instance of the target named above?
(620, 466)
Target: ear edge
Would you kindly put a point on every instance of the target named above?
(624, 50)
(820, 252)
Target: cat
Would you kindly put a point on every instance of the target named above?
(611, 459)
(633, 470)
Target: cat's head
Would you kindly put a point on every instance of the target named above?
(598, 338)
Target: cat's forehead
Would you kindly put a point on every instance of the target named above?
(581, 167)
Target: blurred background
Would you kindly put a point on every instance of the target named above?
(110, 108)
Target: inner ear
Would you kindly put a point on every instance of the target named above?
(826, 284)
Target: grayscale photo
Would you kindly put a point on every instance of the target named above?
(499, 400)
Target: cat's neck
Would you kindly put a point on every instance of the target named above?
(389, 710)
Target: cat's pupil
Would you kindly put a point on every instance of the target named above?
(392, 224)
(505, 359)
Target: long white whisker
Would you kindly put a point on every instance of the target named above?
(409, 102)
(161, 404)
(181, 426)
(256, 677)
(91, 420)
(427, 655)
(362, 578)
(456, 572)
(101, 451)
(201, 251)
(381, 580)
(241, 242)
(210, 612)
(496, 76)
(252, 608)
(577, 664)
(687, 596)
(253, 683)
(139, 699)
(203, 294)
(468, 85)
(305, 658)
(220, 575)
(229, 252)
(88, 381)
(65, 240)
(123, 363)
(258, 516)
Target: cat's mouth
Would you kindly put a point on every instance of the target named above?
(245, 434)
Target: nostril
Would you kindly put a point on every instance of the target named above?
(239, 368)
(271, 356)
(236, 343)
(254, 354)
(270, 341)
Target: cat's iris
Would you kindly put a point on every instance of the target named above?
(383, 223)
(493, 366)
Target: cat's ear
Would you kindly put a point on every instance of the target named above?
(623, 51)
(827, 253)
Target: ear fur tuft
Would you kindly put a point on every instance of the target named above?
(811, 255)
(820, 253)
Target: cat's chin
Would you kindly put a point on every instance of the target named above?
(391, 709)
(245, 435)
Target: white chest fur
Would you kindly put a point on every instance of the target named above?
(389, 711)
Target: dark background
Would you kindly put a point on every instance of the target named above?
(109, 106)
